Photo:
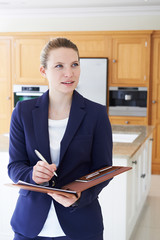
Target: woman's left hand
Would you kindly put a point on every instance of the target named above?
(64, 200)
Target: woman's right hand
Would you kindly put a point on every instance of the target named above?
(43, 172)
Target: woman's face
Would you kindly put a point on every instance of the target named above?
(63, 70)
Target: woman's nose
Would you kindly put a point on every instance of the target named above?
(68, 72)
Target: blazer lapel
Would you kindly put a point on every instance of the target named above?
(77, 114)
(40, 123)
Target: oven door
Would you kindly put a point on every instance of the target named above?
(27, 92)
(19, 96)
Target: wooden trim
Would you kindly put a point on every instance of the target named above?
(78, 32)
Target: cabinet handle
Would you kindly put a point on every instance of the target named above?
(134, 162)
(143, 175)
(114, 60)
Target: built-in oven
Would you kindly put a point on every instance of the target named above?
(128, 101)
(25, 92)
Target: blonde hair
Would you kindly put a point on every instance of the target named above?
(55, 44)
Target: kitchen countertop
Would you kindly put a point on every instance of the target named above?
(127, 150)
(120, 149)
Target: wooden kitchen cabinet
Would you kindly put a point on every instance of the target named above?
(129, 49)
(27, 60)
(125, 120)
(5, 85)
(155, 102)
(130, 60)
(90, 44)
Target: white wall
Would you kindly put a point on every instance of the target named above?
(78, 23)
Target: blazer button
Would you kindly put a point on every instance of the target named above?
(53, 183)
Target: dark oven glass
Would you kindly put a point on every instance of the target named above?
(21, 98)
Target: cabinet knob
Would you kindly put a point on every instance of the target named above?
(126, 122)
(143, 175)
(134, 162)
(114, 60)
(8, 98)
(151, 139)
(154, 101)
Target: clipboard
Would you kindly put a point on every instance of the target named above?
(96, 177)
(42, 189)
(79, 185)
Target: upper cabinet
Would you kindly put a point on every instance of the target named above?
(91, 46)
(27, 60)
(130, 60)
(94, 44)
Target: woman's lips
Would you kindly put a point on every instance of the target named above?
(68, 82)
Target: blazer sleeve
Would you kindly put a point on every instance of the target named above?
(101, 156)
(19, 167)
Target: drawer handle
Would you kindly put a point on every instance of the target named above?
(134, 162)
(143, 175)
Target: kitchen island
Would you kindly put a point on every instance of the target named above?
(125, 147)
(122, 200)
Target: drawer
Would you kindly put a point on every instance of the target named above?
(118, 120)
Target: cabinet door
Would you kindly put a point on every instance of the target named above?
(5, 85)
(148, 148)
(130, 60)
(155, 108)
(144, 172)
(132, 183)
(90, 45)
(27, 61)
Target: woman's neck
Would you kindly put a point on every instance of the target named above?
(59, 106)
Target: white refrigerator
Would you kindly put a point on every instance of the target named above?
(93, 79)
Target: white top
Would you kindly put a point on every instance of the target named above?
(56, 129)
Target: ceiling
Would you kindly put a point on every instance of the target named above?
(79, 6)
(75, 3)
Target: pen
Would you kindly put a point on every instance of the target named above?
(42, 158)
(104, 169)
(98, 172)
(92, 175)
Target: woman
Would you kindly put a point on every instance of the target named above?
(74, 135)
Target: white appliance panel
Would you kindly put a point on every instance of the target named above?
(93, 79)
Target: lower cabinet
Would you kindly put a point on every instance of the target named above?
(123, 199)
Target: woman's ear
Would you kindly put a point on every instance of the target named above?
(43, 71)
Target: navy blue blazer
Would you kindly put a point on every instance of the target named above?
(86, 146)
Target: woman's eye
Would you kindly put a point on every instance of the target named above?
(75, 64)
(59, 66)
